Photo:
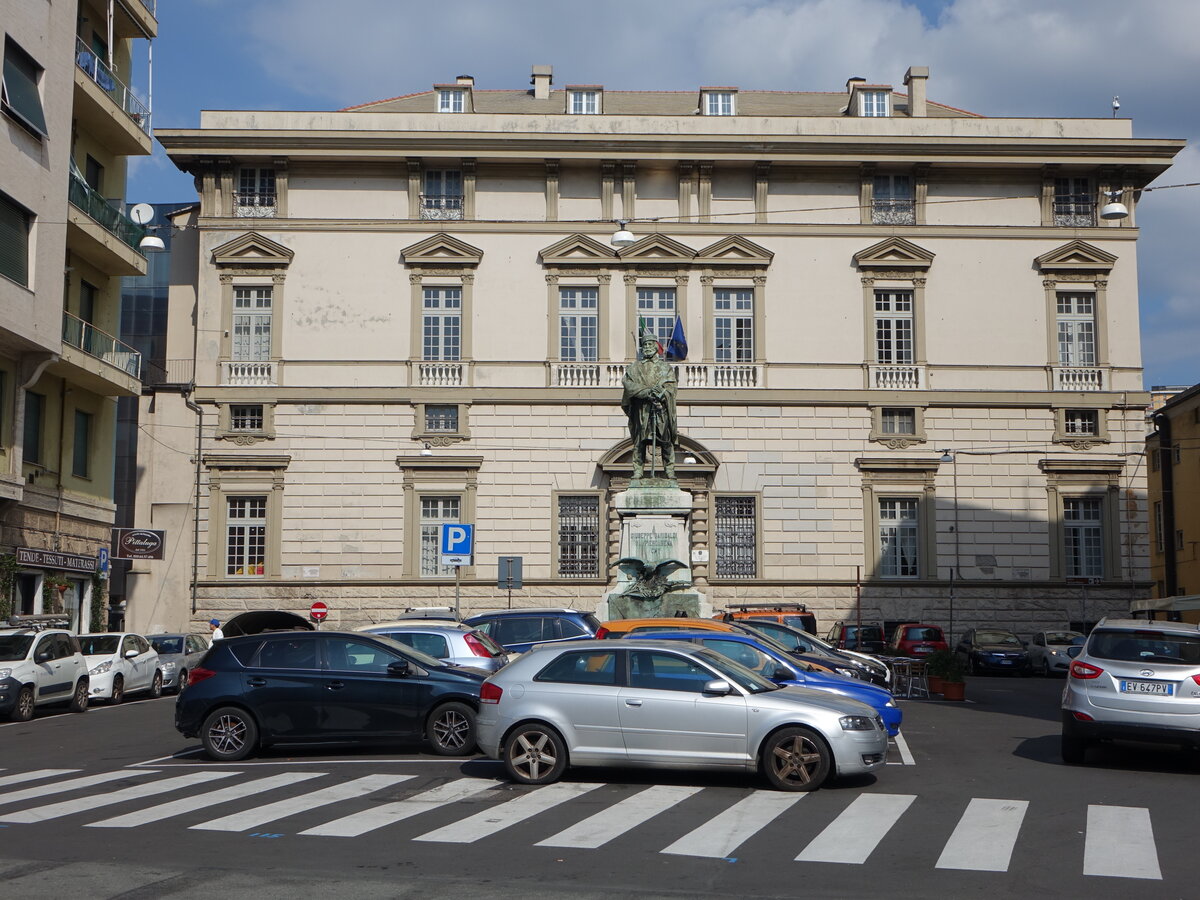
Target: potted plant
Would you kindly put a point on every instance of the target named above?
(954, 682)
(937, 664)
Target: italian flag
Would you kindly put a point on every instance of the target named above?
(644, 329)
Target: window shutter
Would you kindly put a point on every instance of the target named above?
(14, 241)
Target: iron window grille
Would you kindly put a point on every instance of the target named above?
(255, 197)
(442, 419)
(1074, 202)
(579, 536)
(893, 201)
(246, 417)
(1081, 422)
(736, 537)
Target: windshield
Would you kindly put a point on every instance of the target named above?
(99, 644)
(422, 659)
(14, 646)
(739, 675)
(168, 645)
(1062, 637)
(1146, 646)
(923, 633)
(996, 637)
(778, 637)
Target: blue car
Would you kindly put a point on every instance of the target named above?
(771, 663)
(517, 630)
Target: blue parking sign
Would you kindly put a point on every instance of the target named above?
(458, 542)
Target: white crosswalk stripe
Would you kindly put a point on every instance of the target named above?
(725, 832)
(604, 826)
(272, 812)
(137, 791)
(1120, 843)
(852, 836)
(984, 838)
(22, 777)
(72, 784)
(203, 801)
(488, 822)
(370, 819)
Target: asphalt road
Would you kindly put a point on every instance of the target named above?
(975, 803)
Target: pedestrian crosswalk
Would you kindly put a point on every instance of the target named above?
(716, 822)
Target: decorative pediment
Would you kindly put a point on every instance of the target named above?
(1076, 256)
(657, 248)
(894, 253)
(441, 250)
(734, 251)
(578, 249)
(252, 249)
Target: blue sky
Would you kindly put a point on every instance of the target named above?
(1063, 58)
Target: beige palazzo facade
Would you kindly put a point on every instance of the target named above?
(913, 388)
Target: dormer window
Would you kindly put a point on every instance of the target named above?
(452, 100)
(874, 103)
(585, 102)
(719, 103)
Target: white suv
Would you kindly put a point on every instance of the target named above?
(39, 665)
(1133, 680)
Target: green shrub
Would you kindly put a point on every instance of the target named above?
(939, 662)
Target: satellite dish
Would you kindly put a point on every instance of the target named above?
(142, 213)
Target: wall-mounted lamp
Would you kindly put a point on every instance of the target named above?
(947, 456)
(622, 237)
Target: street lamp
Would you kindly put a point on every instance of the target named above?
(1114, 208)
(622, 237)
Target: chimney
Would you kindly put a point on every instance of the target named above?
(543, 77)
(465, 80)
(915, 79)
(852, 83)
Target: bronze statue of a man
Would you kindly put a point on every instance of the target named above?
(648, 400)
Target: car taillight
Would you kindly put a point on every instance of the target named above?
(601, 632)
(198, 674)
(476, 646)
(1084, 670)
(1196, 678)
(490, 693)
(1083, 717)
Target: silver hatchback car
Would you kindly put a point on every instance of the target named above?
(458, 645)
(1135, 680)
(670, 705)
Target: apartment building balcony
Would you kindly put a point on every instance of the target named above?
(719, 375)
(238, 372)
(101, 233)
(168, 373)
(896, 378)
(441, 206)
(439, 374)
(1075, 211)
(107, 108)
(135, 18)
(1077, 378)
(97, 361)
(255, 205)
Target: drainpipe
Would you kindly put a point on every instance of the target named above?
(195, 407)
(1166, 470)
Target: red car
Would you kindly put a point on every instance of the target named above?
(917, 640)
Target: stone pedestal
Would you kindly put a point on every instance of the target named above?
(655, 533)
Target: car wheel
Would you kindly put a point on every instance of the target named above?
(181, 682)
(1046, 667)
(796, 759)
(23, 711)
(1073, 749)
(535, 754)
(451, 730)
(118, 690)
(974, 665)
(156, 686)
(79, 700)
(229, 734)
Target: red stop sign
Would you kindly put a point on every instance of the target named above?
(318, 611)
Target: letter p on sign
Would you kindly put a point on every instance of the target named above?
(457, 544)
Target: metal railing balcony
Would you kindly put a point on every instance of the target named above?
(254, 204)
(94, 342)
(82, 195)
(1075, 210)
(441, 206)
(893, 211)
(167, 371)
(121, 95)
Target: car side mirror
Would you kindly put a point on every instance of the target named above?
(130, 654)
(781, 674)
(400, 668)
(43, 656)
(718, 688)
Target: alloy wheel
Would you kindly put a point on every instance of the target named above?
(452, 729)
(228, 734)
(796, 760)
(534, 754)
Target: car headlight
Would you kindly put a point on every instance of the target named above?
(857, 723)
(101, 668)
(849, 673)
(4, 673)
(168, 668)
(891, 703)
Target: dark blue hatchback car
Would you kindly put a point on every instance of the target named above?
(307, 686)
(519, 629)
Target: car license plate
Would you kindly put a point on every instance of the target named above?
(1006, 662)
(922, 648)
(1147, 687)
